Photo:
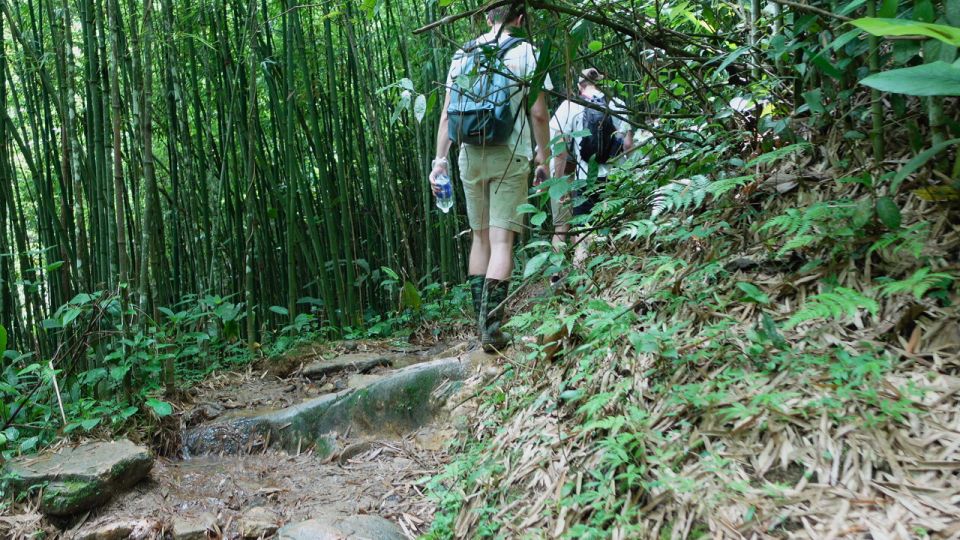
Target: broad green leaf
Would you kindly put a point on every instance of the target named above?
(919, 161)
(124, 414)
(814, 100)
(279, 310)
(420, 108)
(538, 219)
(843, 39)
(90, 423)
(889, 213)
(902, 27)
(826, 66)
(753, 293)
(161, 408)
(70, 316)
(731, 58)
(535, 263)
(410, 296)
(934, 79)
(595, 46)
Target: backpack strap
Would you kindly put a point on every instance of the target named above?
(505, 47)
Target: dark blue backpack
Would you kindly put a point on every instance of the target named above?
(479, 111)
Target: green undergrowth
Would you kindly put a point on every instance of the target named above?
(118, 371)
(721, 316)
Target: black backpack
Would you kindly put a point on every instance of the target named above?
(603, 143)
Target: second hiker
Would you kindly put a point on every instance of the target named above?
(594, 136)
(486, 112)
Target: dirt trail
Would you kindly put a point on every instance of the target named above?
(364, 473)
(380, 480)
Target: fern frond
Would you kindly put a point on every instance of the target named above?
(911, 239)
(642, 228)
(719, 187)
(837, 304)
(920, 283)
(779, 154)
(680, 195)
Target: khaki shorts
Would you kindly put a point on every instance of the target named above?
(494, 184)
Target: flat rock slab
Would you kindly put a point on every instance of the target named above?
(258, 522)
(400, 402)
(194, 527)
(81, 478)
(121, 530)
(358, 362)
(359, 527)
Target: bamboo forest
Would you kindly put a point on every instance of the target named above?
(388, 269)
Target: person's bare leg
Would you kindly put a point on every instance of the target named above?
(501, 254)
(479, 253)
(560, 236)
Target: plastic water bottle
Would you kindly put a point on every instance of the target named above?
(445, 197)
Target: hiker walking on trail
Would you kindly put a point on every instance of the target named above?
(487, 113)
(595, 136)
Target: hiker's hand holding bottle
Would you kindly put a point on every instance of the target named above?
(441, 186)
(439, 169)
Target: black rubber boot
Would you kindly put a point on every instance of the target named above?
(492, 309)
(476, 291)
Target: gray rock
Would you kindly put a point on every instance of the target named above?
(81, 478)
(403, 400)
(358, 527)
(194, 527)
(121, 530)
(358, 362)
(258, 522)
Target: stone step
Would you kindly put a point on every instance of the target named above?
(400, 402)
(78, 479)
(353, 362)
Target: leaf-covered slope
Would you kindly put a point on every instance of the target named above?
(775, 354)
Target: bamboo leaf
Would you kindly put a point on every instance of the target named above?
(901, 27)
(934, 79)
(919, 161)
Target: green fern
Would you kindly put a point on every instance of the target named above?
(920, 283)
(911, 239)
(642, 228)
(680, 195)
(688, 194)
(719, 187)
(840, 303)
(797, 221)
(779, 154)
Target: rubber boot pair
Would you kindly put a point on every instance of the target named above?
(489, 297)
